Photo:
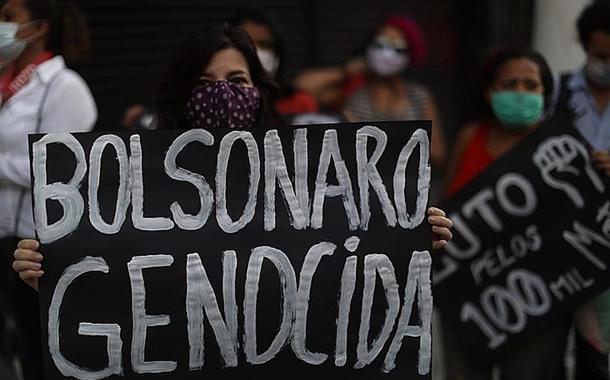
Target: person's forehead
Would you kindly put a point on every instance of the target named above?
(518, 66)
(227, 60)
(257, 31)
(392, 32)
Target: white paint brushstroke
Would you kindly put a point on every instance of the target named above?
(137, 192)
(276, 171)
(406, 221)
(206, 196)
(368, 173)
(222, 214)
(310, 264)
(330, 150)
(111, 331)
(289, 290)
(122, 200)
(66, 194)
(141, 320)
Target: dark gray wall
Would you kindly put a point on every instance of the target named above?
(133, 40)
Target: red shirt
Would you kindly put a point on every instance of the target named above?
(474, 160)
(299, 102)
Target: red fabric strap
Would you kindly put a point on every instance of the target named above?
(11, 82)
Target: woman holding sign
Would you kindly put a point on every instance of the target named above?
(232, 90)
(216, 81)
(38, 94)
(517, 86)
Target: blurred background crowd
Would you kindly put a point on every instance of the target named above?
(333, 61)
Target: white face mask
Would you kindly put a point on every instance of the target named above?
(10, 46)
(269, 60)
(385, 60)
(598, 72)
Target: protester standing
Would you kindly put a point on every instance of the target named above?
(374, 87)
(516, 89)
(385, 94)
(232, 90)
(37, 94)
(585, 94)
(270, 49)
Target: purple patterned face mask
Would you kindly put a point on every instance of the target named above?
(223, 104)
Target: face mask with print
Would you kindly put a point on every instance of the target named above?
(10, 46)
(598, 72)
(269, 60)
(384, 59)
(223, 104)
(517, 110)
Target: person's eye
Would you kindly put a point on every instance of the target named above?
(508, 85)
(240, 81)
(204, 82)
(532, 85)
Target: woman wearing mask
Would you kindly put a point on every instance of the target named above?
(383, 93)
(270, 51)
(37, 94)
(516, 88)
(232, 90)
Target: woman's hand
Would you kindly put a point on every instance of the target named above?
(601, 159)
(441, 227)
(28, 262)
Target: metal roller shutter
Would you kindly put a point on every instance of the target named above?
(133, 40)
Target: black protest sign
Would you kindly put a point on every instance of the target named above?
(235, 253)
(531, 242)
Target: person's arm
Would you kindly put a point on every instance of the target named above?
(324, 83)
(601, 160)
(69, 107)
(15, 169)
(28, 262)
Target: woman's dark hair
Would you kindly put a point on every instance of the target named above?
(192, 57)
(492, 66)
(595, 17)
(257, 16)
(68, 31)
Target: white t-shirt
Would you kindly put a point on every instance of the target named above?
(68, 107)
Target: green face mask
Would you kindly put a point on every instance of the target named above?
(517, 110)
